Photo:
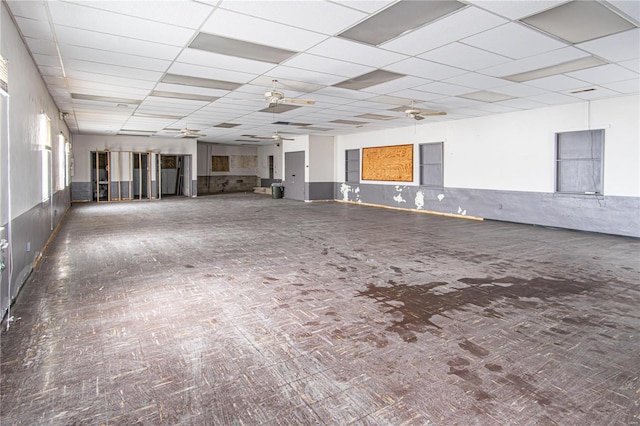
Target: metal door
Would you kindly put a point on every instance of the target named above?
(294, 175)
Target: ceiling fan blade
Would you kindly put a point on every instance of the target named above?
(428, 114)
(263, 137)
(298, 101)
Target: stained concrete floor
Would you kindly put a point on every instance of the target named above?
(245, 310)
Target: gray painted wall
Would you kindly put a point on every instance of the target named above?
(29, 234)
(605, 214)
(320, 191)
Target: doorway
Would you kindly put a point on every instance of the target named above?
(294, 175)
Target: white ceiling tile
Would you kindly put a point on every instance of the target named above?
(180, 13)
(554, 99)
(301, 14)
(629, 8)
(192, 90)
(339, 92)
(535, 62)
(519, 90)
(424, 69)
(358, 53)
(397, 84)
(516, 9)
(326, 65)
(604, 74)
(287, 73)
(113, 70)
(47, 60)
(112, 58)
(247, 28)
(476, 81)
(514, 40)
(51, 71)
(443, 88)
(114, 43)
(455, 102)
(617, 47)
(633, 64)
(38, 45)
(461, 24)
(463, 56)
(34, 29)
(496, 108)
(521, 103)
(556, 83)
(85, 17)
(599, 93)
(110, 79)
(366, 5)
(234, 63)
(87, 87)
(31, 10)
(418, 95)
(208, 72)
(628, 86)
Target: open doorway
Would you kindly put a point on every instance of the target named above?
(175, 175)
(100, 175)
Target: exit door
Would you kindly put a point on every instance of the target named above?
(294, 175)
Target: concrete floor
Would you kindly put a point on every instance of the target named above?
(240, 309)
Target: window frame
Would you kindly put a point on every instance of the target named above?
(423, 162)
(593, 158)
(351, 162)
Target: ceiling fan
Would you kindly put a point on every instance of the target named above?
(275, 137)
(417, 114)
(275, 97)
(185, 133)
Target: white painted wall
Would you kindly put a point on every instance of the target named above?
(321, 158)
(84, 144)
(28, 99)
(264, 151)
(207, 150)
(516, 151)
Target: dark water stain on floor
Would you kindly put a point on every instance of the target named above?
(419, 303)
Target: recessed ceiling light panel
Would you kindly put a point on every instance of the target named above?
(575, 65)
(398, 19)
(486, 96)
(579, 21)
(239, 48)
(372, 78)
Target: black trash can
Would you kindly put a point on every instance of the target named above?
(276, 190)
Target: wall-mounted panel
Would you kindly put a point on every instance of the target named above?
(388, 163)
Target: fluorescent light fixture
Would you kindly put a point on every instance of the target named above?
(486, 96)
(350, 122)
(107, 99)
(227, 125)
(279, 109)
(167, 116)
(136, 132)
(579, 21)
(398, 19)
(239, 48)
(372, 78)
(575, 65)
(187, 80)
(377, 117)
(188, 96)
(319, 129)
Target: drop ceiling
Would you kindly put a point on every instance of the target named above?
(146, 67)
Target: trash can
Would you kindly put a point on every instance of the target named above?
(276, 190)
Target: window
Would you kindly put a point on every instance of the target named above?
(220, 163)
(579, 161)
(62, 162)
(44, 140)
(431, 171)
(352, 165)
(271, 167)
